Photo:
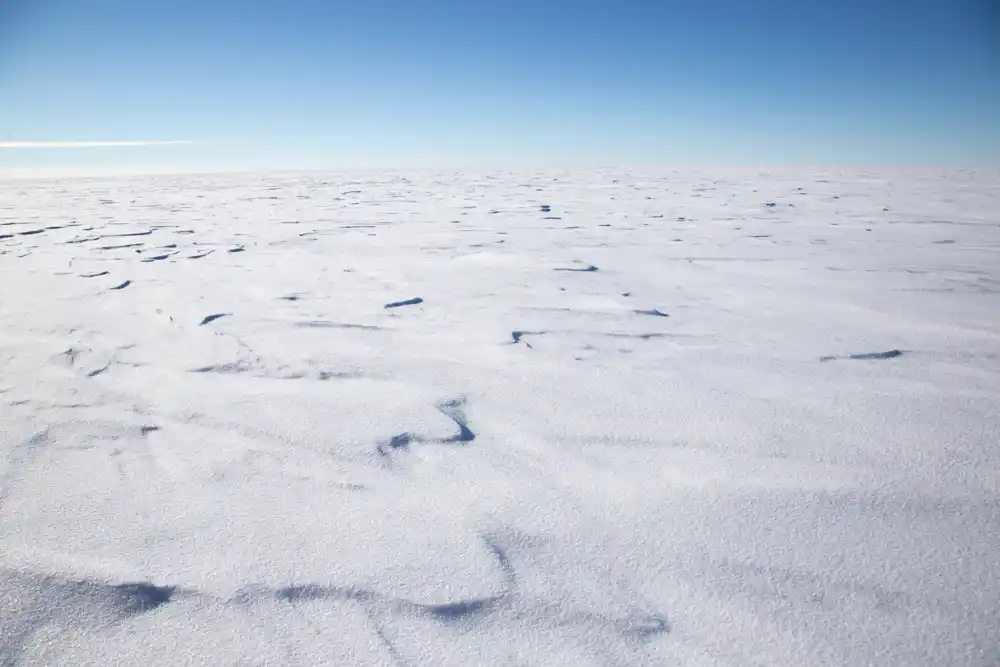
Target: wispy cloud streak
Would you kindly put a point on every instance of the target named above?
(85, 144)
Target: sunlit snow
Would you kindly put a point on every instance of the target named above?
(723, 417)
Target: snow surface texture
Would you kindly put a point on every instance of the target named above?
(563, 418)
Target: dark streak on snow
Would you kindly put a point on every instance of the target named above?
(866, 356)
(408, 302)
(117, 236)
(232, 367)
(67, 602)
(211, 318)
(138, 598)
(516, 336)
(455, 410)
(590, 268)
(120, 247)
(98, 371)
(157, 258)
(636, 625)
(400, 441)
(642, 336)
(376, 602)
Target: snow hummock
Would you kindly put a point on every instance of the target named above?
(605, 417)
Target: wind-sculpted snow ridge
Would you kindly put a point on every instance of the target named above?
(612, 417)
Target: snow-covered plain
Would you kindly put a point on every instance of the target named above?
(623, 430)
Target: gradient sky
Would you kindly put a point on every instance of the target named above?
(323, 83)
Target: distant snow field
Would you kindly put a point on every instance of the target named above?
(609, 417)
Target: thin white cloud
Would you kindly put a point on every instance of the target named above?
(85, 144)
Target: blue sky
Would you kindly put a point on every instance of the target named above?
(311, 83)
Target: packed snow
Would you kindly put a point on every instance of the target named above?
(727, 417)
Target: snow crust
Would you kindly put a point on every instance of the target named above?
(637, 417)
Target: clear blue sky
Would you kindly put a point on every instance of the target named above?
(325, 83)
